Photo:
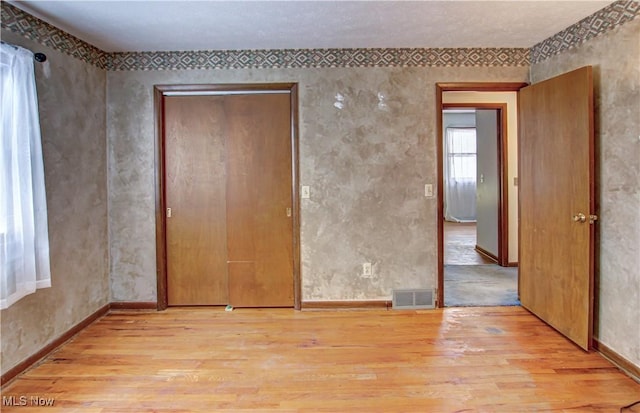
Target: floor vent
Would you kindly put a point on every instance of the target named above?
(413, 299)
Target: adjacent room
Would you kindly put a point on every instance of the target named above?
(211, 206)
(477, 269)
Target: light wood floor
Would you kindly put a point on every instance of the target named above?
(207, 360)
(460, 243)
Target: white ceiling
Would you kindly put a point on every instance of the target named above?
(218, 25)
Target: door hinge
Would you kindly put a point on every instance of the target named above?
(168, 212)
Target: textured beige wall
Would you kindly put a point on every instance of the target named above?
(72, 118)
(615, 57)
(366, 169)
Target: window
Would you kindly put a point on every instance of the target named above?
(460, 174)
(461, 153)
(24, 242)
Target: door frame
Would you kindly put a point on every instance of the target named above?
(159, 92)
(502, 159)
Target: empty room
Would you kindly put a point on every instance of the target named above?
(227, 206)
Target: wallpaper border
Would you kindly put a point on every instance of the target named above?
(318, 58)
(600, 22)
(612, 16)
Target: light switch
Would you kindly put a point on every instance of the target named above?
(428, 190)
(304, 192)
(366, 269)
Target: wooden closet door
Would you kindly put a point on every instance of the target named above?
(259, 200)
(196, 234)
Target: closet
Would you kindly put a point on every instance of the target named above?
(228, 199)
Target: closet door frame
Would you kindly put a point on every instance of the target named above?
(160, 92)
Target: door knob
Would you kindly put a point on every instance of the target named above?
(580, 217)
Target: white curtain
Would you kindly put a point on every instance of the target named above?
(24, 238)
(460, 174)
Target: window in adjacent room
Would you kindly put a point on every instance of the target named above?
(460, 174)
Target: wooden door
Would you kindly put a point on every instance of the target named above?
(259, 200)
(228, 168)
(556, 186)
(195, 188)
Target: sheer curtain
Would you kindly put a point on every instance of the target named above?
(24, 238)
(460, 174)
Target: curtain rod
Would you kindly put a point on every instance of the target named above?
(38, 57)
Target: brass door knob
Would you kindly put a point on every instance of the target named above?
(580, 217)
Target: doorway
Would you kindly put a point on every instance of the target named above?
(476, 263)
(227, 210)
(474, 248)
(556, 201)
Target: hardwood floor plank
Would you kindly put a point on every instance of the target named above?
(208, 360)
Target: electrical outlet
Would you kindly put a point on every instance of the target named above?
(366, 269)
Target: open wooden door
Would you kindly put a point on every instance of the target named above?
(557, 203)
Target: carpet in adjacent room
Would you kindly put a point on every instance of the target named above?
(480, 285)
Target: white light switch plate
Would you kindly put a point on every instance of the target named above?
(428, 190)
(304, 192)
(366, 269)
